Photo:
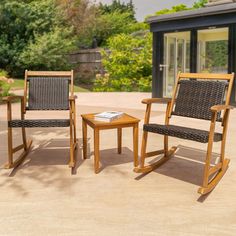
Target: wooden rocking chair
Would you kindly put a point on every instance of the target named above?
(43, 90)
(199, 96)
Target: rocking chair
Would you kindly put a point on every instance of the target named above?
(43, 90)
(199, 96)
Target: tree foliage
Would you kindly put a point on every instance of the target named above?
(44, 27)
(48, 51)
(129, 60)
(111, 24)
(200, 3)
(177, 8)
(115, 18)
(128, 64)
(216, 54)
(38, 34)
(82, 16)
(117, 6)
(182, 7)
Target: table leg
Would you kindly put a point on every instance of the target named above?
(84, 127)
(119, 140)
(96, 150)
(135, 144)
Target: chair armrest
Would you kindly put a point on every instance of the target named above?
(72, 98)
(156, 100)
(12, 98)
(217, 108)
(149, 102)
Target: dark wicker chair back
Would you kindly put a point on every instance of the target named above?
(48, 93)
(196, 97)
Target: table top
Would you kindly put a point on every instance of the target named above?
(125, 119)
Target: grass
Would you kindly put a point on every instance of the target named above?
(19, 84)
(80, 89)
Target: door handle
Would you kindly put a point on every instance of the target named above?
(163, 66)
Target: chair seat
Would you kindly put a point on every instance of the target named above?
(201, 136)
(39, 123)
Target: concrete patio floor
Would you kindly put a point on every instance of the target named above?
(42, 197)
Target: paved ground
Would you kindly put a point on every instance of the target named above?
(42, 197)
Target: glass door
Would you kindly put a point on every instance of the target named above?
(176, 58)
(213, 50)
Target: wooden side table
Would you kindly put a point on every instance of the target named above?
(123, 122)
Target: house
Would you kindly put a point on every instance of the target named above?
(201, 40)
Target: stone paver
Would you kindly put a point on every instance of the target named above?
(42, 197)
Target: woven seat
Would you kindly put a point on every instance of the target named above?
(39, 123)
(201, 136)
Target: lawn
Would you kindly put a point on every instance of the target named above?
(19, 84)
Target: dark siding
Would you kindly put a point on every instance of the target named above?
(157, 75)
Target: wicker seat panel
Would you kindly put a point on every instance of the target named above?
(201, 136)
(39, 123)
(196, 97)
(48, 93)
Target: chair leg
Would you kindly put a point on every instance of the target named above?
(207, 164)
(10, 149)
(166, 145)
(143, 149)
(75, 136)
(72, 147)
(84, 130)
(219, 169)
(24, 138)
(26, 146)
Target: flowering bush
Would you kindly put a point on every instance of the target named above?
(4, 84)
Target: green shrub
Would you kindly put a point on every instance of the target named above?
(128, 64)
(145, 84)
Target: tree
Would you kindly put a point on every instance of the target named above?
(24, 24)
(111, 24)
(116, 5)
(82, 16)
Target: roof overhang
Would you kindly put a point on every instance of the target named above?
(203, 17)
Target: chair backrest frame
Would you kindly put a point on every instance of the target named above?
(28, 74)
(201, 76)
